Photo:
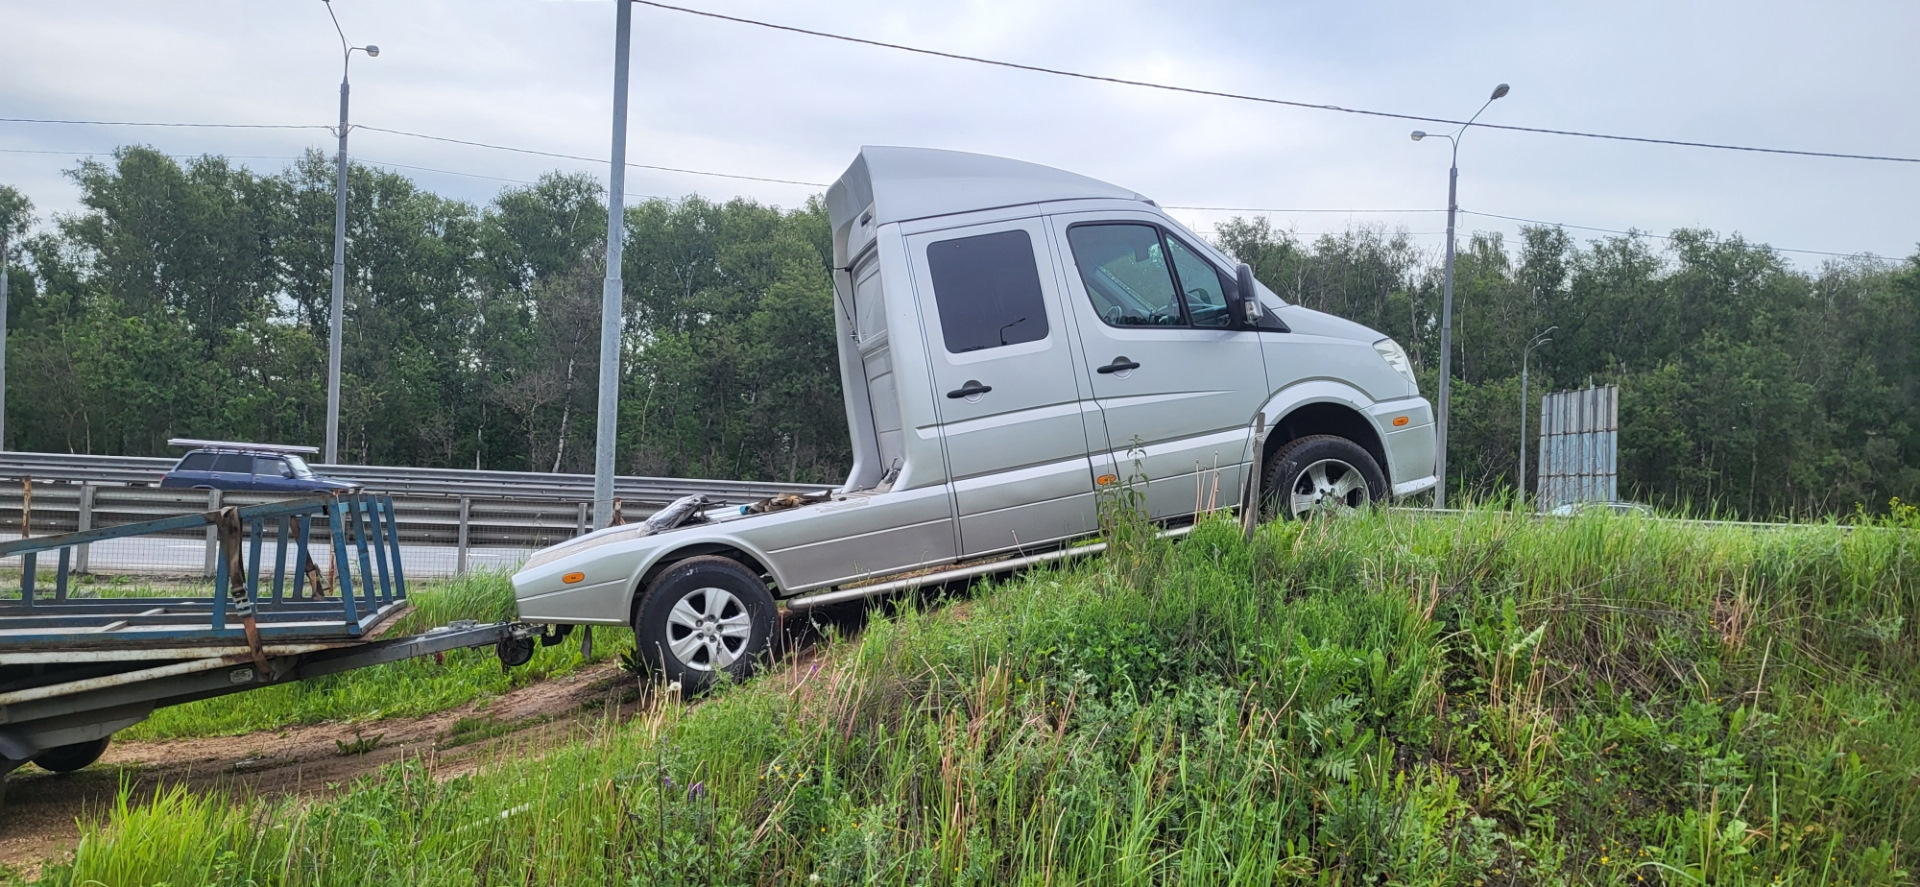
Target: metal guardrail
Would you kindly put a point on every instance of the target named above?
(443, 482)
(463, 523)
(437, 507)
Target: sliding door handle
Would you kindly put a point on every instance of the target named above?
(971, 389)
(1119, 365)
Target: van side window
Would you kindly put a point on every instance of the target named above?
(195, 462)
(988, 290)
(1205, 286)
(1125, 272)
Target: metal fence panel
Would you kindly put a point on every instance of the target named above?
(1579, 446)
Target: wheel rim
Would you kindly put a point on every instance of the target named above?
(708, 628)
(1329, 485)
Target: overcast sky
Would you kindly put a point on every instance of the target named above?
(731, 98)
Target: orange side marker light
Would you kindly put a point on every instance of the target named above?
(573, 577)
(1399, 421)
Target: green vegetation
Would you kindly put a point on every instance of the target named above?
(1482, 699)
(409, 688)
(190, 299)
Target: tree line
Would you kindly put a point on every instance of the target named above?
(190, 299)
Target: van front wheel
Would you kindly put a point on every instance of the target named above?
(1320, 474)
(704, 616)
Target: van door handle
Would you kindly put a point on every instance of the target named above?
(1120, 365)
(971, 389)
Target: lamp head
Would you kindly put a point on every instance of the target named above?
(1418, 135)
(1500, 91)
(373, 51)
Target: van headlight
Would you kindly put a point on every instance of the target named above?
(1396, 357)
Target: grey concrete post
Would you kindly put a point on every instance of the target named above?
(213, 534)
(85, 523)
(460, 556)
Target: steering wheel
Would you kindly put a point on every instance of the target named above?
(1167, 314)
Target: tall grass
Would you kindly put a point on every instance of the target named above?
(408, 688)
(1472, 700)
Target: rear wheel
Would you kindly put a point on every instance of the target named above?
(68, 758)
(702, 617)
(1320, 474)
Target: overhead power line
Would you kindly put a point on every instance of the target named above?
(1783, 249)
(539, 153)
(1468, 212)
(691, 172)
(169, 125)
(1058, 72)
(397, 132)
(1254, 209)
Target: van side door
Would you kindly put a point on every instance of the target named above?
(1005, 387)
(1172, 371)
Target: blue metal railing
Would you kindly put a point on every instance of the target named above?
(282, 597)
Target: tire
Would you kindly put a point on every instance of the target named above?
(702, 616)
(68, 758)
(1317, 474)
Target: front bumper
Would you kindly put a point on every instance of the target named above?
(1410, 447)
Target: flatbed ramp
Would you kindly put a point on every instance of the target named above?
(81, 659)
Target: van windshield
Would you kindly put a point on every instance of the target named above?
(299, 467)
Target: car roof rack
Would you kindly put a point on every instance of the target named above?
(231, 445)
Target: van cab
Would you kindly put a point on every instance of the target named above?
(1014, 338)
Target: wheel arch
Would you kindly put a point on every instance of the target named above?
(1323, 406)
(754, 563)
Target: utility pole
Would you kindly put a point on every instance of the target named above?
(611, 302)
(339, 247)
(6, 224)
(1538, 340)
(1446, 303)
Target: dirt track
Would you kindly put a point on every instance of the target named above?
(40, 819)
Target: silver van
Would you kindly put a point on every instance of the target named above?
(1012, 338)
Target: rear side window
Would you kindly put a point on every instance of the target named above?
(987, 288)
(233, 462)
(195, 462)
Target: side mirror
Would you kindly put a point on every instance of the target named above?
(1247, 303)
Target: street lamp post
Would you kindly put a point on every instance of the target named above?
(1446, 302)
(1537, 341)
(606, 422)
(339, 246)
(6, 223)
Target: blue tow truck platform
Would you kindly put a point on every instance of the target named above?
(79, 663)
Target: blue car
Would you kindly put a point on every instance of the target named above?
(254, 468)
